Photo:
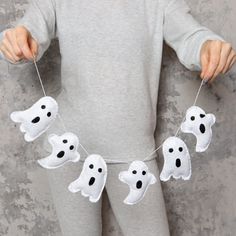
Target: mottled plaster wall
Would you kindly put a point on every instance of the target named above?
(204, 206)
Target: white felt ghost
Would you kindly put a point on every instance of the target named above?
(37, 119)
(138, 178)
(177, 161)
(198, 123)
(92, 179)
(64, 149)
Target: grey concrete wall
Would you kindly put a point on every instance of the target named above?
(204, 206)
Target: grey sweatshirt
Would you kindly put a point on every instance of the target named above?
(111, 58)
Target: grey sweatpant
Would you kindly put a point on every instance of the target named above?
(79, 217)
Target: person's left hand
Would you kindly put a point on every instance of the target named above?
(216, 57)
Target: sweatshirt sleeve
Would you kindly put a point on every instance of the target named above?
(184, 34)
(39, 19)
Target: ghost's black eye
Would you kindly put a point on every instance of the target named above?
(43, 106)
(192, 118)
(91, 166)
(134, 172)
(180, 149)
(71, 147)
(171, 150)
(100, 170)
(202, 115)
(64, 141)
(144, 172)
(49, 114)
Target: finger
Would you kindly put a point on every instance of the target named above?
(11, 36)
(231, 63)
(22, 41)
(229, 60)
(204, 54)
(204, 64)
(10, 49)
(215, 52)
(7, 54)
(225, 52)
(33, 47)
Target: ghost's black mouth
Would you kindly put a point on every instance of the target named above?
(178, 162)
(139, 184)
(91, 181)
(202, 128)
(60, 154)
(36, 120)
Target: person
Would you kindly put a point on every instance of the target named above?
(111, 59)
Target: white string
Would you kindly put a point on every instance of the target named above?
(147, 158)
(40, 80)
(120, 161)
(62, 122)
(84, 148)
(198, 92)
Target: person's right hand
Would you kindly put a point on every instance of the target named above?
(18, 44)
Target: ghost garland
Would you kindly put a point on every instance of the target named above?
(92, 179)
